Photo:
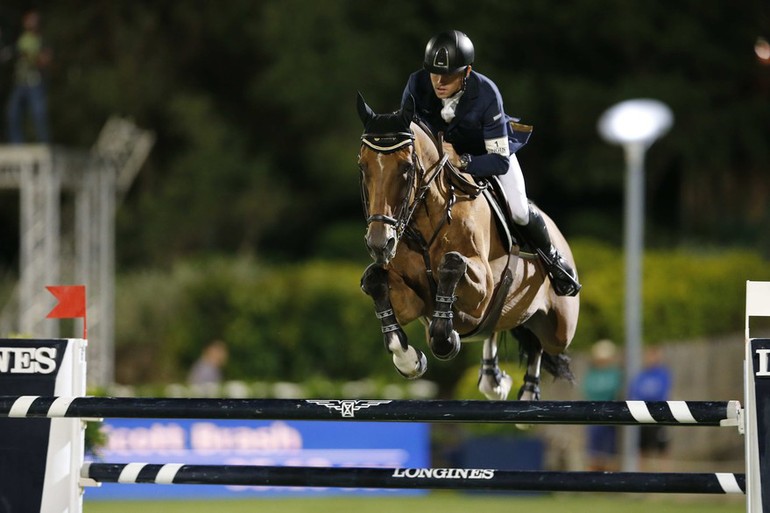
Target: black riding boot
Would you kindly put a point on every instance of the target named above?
(563, 278)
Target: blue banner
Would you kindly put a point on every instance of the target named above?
(238, 442)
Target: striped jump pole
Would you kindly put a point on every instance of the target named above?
(696, 413)
(417, 478)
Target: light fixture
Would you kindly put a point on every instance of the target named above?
(635, 121)
(634, 124)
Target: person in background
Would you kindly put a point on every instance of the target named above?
(603, 382)
(33, 58)
(205, 375)
(653, 383)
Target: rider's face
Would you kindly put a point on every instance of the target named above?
(446, 86)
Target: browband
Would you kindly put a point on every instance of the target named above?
(380, 142)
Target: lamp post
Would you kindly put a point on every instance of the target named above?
(635, 125)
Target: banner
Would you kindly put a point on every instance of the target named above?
(239, 442)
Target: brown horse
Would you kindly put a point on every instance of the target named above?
(439, 257)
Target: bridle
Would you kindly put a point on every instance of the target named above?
(386, 143)
(457, 185)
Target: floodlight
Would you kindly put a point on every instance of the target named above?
(635, 121)
(634, 124)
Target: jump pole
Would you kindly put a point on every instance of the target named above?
(416, 478)
(670, 413)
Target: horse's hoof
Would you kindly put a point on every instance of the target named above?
(446, 349)
(420, 366)
(495, 387)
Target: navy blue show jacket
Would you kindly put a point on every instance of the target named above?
(479, 116)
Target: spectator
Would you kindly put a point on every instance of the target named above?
(205, 375)
(653, 383)
(603, 382)
(33, 57)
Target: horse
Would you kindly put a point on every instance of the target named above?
(438, 256)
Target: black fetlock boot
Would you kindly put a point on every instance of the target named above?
(563, 278)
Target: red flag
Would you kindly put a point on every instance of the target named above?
(72, 301)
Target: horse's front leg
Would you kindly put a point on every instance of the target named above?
(444, 341)
(409, 361)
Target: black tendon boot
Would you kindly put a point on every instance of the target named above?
(563, 278)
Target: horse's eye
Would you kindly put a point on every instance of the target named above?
(406, 167)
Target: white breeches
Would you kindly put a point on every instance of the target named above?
(516, 192)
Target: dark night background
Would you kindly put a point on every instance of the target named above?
(253, 107)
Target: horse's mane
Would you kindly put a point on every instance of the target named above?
(425, 128)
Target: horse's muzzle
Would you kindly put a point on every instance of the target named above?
(381, 242)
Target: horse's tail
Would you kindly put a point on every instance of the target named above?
(529, 347)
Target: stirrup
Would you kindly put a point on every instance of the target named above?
(562, 280)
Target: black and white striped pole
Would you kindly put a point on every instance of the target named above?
(671, 413)
(416, 478)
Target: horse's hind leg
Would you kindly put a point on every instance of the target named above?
(530, 350)
(444, 341)
(410, 362)
(494, 383)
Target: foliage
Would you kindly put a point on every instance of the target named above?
(253, 107)
(686, 293)
(311, 322)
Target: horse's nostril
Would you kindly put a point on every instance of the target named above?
(390, 246)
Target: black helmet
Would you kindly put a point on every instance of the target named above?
(448, 52)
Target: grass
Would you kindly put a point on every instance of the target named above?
(444, 502)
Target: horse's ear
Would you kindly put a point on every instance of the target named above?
(364, 112)
(407, 110)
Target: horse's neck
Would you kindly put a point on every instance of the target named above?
(427, 149)
(424, 135)
(437, 195)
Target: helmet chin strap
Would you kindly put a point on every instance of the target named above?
(465, 77)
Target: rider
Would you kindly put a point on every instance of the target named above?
(480, 138)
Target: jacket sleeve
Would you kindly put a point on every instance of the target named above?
(487, 165)
(496, 160)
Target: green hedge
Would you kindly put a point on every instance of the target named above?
(300, 322)
(686, 293)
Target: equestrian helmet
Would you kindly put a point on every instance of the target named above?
(448, 52)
